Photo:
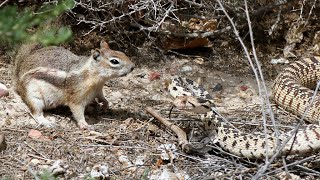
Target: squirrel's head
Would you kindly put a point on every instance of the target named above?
(111, 63)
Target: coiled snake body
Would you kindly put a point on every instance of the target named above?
(292, 90)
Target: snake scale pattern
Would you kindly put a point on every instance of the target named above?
(292, 90)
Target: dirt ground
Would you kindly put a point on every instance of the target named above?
(126, 141)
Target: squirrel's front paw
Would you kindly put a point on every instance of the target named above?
(85, 126)
(43, 121)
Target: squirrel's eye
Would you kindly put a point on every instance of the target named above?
(114, 61)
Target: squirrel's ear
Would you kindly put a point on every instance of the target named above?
(96, 54)
(104, 45)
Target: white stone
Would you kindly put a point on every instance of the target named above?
(3, 90)
(186, 69)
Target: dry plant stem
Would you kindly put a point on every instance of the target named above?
(38, 157)
(114, 146)
(310, 12)
(3, 3)
(182, 136)
(193, 3)
(266, 100)
(308, 169)
(291, 164)
(264, 9)
(197, 34)
(165, 15)
(262, 93)
(35, 150)
(100, 24)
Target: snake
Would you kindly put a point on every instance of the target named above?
(293, 90)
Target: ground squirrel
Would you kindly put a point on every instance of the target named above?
(48, 77)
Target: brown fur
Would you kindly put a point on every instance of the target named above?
(52, 76)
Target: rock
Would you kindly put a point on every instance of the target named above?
(199, 60)
(140, 161)
(186, 69)
(168, 151)
(115, 97)
(168, 172)
(37, 135)
(243, 88)
(285, 175)
(57, 168)
(154, 75)
(3, 144)
(100, 171)
(279, 61)
(35, 161)
(3, 90)
(216, 87)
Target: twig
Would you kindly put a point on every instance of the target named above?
(267, 8)
(292, 164)
(262, 92)
(193, 3)
(182, 136)
(35, 150)
(11, 129)
(308, 169)
(38, 157)
(124, 147)
(197, 34)
(3, 3)
(166, 14)
(310, 12)
(275, 24)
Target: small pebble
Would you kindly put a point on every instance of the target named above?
(115, 96)
(3, 90)
(186, 69)
(243, 88)
(35, 161)
(217, 87)
(154, 75)
(199, 60)
(100, 171)
(279, 61)
(57, 168)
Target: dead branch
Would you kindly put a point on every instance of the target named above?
(3, 3)
(182, 136)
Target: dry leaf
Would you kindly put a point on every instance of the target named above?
(35, 134)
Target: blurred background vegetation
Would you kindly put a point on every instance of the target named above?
(18, 25)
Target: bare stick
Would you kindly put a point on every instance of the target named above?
(193, 3)
(264, 88)
(114, 146)
(35, 150)
(3, 3)
(262, 92)
(182, 136)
